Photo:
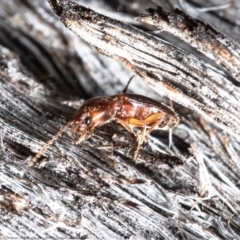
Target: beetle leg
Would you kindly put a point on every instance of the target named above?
(151, 121)
(155, 119)
(91, 131)
(153, 126)
(82, 135)
(80, 139)
(126, 126)
(74, 128)
(85, 135)
(141, 138)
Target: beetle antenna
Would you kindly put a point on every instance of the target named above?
(49, 143)
(129, 81)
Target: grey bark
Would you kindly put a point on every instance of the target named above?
(95, 190)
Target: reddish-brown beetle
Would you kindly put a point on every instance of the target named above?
(130, 110)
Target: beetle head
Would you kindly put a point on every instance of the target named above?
(93, 113)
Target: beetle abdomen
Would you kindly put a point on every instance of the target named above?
(144, 111)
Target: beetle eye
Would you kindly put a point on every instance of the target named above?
(87, 120)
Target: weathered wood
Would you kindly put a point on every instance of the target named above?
(199, 35)
(95, 190)
(192, 82)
